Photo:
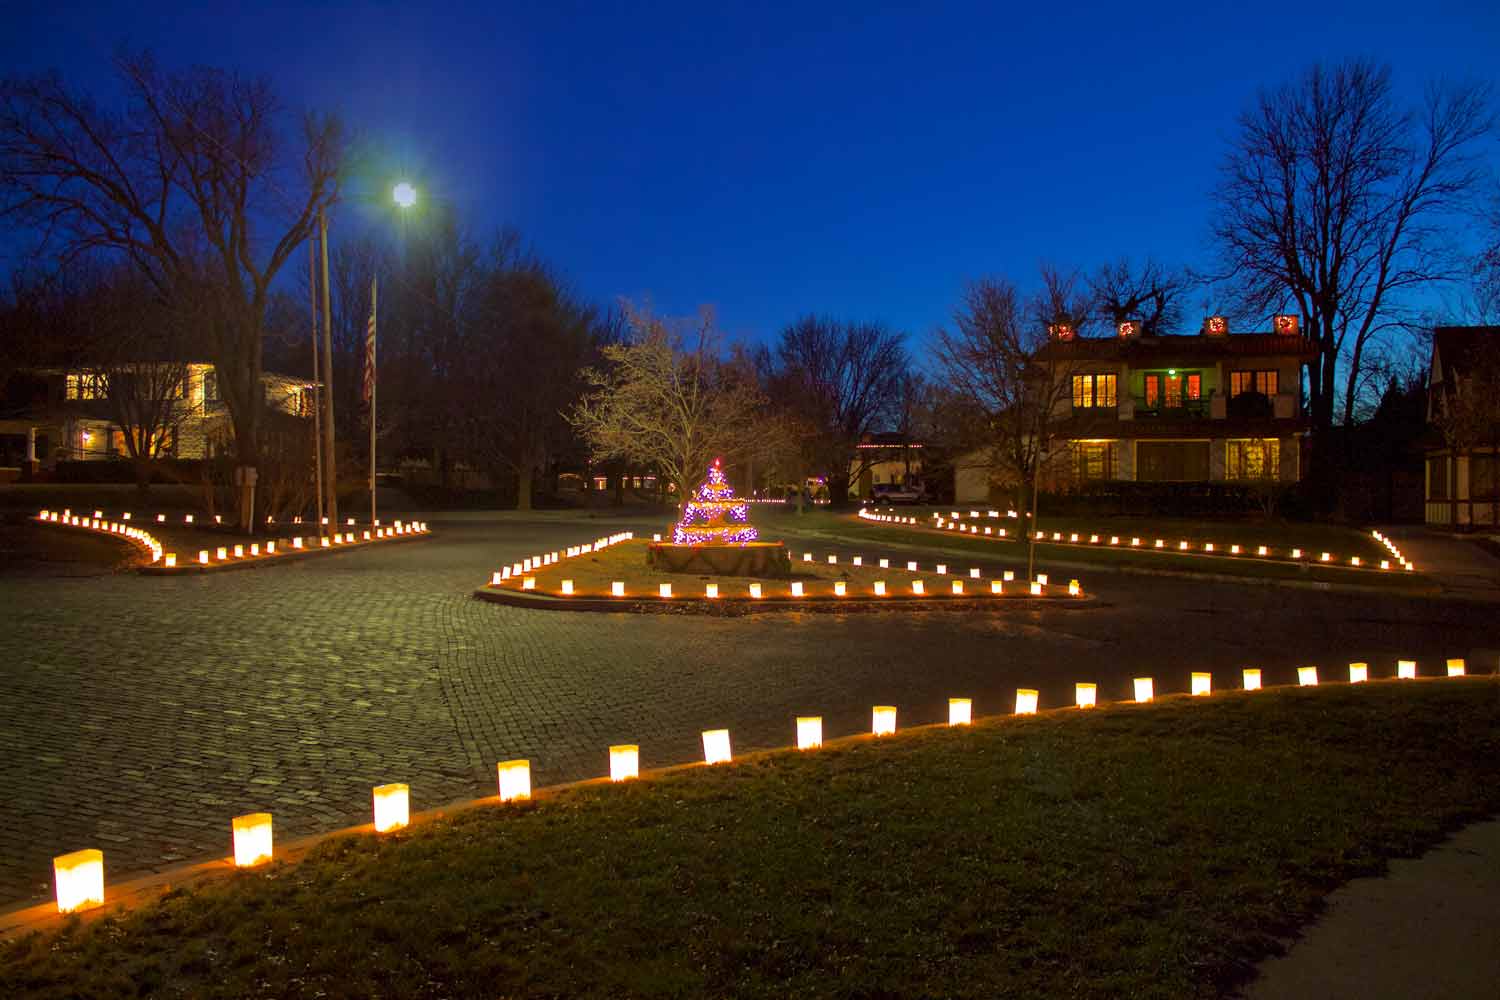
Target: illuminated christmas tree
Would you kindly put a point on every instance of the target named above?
(714, 516)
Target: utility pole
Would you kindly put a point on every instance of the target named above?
(312, 284)
(330, 465)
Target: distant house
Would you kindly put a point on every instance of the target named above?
(1209, 407)
(67, 415)
(885, 459)
(1462, 483)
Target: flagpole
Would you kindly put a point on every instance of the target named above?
(373, 387)
(317, 389)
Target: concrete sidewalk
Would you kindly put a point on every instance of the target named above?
(1461, 567)
(1427, 930)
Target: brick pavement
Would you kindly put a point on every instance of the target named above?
(140, 714)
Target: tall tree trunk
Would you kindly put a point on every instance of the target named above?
(523, 479)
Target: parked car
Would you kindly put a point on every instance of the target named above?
(898, 493)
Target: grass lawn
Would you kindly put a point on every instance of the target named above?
(593, 573)
(1142, 851)
(1312, 539)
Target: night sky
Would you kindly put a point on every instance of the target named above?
(780, 159)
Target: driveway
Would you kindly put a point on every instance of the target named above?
(142, 713)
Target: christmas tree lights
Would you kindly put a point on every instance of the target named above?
(714, 515)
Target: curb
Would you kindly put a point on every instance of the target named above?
(744, 605)
(1434, 590)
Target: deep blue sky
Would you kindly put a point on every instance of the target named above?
(779, 159)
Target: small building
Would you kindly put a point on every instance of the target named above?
(1210, 407)
(885, 459)
(1462, 482)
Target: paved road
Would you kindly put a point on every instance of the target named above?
(140, 714)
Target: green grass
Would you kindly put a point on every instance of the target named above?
(1312, 539)
(1143, 851)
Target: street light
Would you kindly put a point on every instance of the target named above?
(405, 194)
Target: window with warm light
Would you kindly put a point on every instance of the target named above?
(1094, 391)
(87, 385)
(1252, 458)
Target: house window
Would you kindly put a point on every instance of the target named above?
(1094, 459)
(1263, 382)
(1437, 478)
(1252, 458)
(1195, 387)
(1171, 461)
(87, 385)
(1153, 391)
(1174, 392)
(1083, 391)
(1090, 391)
(210, 387)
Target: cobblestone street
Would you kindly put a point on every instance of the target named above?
(141, 713)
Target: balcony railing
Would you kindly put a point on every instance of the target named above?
(1187, 409)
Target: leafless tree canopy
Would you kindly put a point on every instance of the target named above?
(1330, 201)
(673, 400)
(993, 361)
(1148, 294)
(191, 182)
(841, 381)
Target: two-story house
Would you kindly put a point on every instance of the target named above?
(1214, 406)
(68, 415)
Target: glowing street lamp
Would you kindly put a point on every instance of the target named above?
(404, 194)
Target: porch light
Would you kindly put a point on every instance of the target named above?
(809, 732)
(624, 762)
(1025, 701)
(80, 880)
(1307, 676)
(252, 839)
(1251, 678)
(883, 720)
(716, 746)
(1085, 694)
(1143, 689)
(392, 807)
(960, 711)
(515, 780)
(1202, 683)
(1359, 673)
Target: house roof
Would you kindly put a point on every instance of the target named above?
(1178, 349)
(1453, 346)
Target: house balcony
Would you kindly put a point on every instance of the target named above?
(1186, 409)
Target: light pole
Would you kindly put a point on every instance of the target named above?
(405, 197)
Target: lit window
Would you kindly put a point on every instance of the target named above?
(1252, 458)
(1094, 459)
(1153, 390)
(87, 385)
(1083, 391)
(1195, 387)
(1174, 392)
(1093, 391)
(1104, 390)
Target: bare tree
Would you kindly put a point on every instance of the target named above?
(178, 183)
(1148, 294)
(997, 361)
(669, 399)
(1332, 198)
(841, 381)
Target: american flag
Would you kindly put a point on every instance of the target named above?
(369, 389)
